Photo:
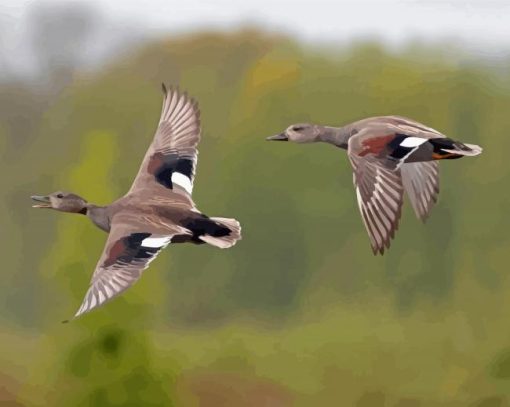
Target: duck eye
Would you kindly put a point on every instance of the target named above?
(298, 128)
(60, 196)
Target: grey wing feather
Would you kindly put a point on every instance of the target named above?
(379, 194)
(179, 124)
(421, 183)
(410, 127)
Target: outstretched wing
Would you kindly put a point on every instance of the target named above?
(421, 183)
(171, 159)
(128, 251)
(379, 193)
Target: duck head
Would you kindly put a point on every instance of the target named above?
(61, 201)
(298, 133)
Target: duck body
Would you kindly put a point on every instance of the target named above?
(395, 139)
(102, 216)
(157, 210)
(195, 225)
(390, 155)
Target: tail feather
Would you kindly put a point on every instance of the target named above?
(225, 241)
(448, 148)
(471, 150)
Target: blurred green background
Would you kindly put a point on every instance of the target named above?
(299, 313)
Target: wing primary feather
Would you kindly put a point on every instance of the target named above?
(176, 140)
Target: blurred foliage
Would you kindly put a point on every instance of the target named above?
(299, 313)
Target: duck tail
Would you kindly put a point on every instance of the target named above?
(227, 233)
(445, 148)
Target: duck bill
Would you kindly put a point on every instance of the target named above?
(44, 201)
(278, 137)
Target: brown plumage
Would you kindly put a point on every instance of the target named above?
(389, 155)
(156, 211)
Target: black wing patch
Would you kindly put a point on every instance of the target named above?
(163, 166)
(396, 150)
(129, 249)
(123, 264)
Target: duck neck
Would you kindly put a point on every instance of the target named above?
(338, 136)
(98, 215)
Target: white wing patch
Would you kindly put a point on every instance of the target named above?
(183, 181)
(413, 142)
(156, 242)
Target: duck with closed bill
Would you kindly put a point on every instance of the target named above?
(389, 155)
(157, 210)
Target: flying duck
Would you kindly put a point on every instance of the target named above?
(156, 211)
(389, 155)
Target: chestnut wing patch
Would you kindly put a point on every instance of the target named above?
(375, 145)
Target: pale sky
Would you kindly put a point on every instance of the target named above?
(477, 21)
(480, 27)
